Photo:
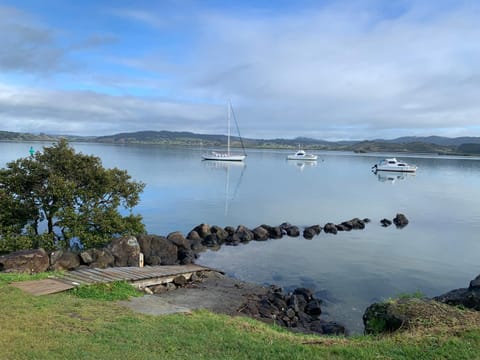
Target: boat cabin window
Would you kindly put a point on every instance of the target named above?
(391, 162)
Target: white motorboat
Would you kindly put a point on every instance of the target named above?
(227, 156)
(392, 164)
(302, 155)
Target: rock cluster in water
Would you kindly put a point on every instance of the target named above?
(299, 311)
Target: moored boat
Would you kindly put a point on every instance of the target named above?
(392, 164)
(302, 155)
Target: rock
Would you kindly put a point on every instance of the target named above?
(328, 328)
(177, 239)
(366, 220)
(193, 236)
(285, 225)
(357, 224)
(158, 289)
(310, 231)
(211, 240)
(86, 257)
(230, 230)
(158, 250)
(293, 231)
(306, 293)
(102, 258)
(467, 297)
(400, 221)
(220, 232)
(330, 228)
(67, 260)
(170, 286)
(475, 284)
(180, 281)
(274, 232)
(202, 230)
(385, 222)
(185, 256)
(125, 250)
(313, 307)
(244, 234)
(26, 261)
(341, 227)
(260, 233)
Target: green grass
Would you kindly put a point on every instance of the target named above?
(64, 326)
(118, 290)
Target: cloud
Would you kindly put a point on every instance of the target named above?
(91, 113)
(340, 70)
(26, 46)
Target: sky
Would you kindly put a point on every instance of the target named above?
(325, 69)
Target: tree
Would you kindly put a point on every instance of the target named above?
(59, 195)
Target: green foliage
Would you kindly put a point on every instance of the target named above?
(58, 195)
(118, 290)
(415, 295)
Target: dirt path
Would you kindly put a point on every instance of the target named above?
(217, 293)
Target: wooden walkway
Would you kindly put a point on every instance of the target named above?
(138, 276)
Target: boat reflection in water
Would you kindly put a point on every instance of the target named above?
(226, 166)
(391, 177)
(300, 164)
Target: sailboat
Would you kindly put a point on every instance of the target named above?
(227, 156)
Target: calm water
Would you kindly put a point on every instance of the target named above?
(436, 252)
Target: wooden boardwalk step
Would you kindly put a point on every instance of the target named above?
(138, 276)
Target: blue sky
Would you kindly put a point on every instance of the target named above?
(324, 69)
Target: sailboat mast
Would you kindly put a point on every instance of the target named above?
(228, 130)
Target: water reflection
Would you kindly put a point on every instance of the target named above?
(226, 166)
(391, 177)
(301, 164)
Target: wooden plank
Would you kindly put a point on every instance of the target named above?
(42, 287)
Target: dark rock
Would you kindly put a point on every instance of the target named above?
(185, 256)
(306, 293)
(310, 231)
(366, 220)
(293, 231)
(284, 226)
(220, 232)
(211, 240)
(469, 298)
(357, 224)
(385, 222)
(328, 328)
(313, 307)
(180, 280)
(475, 284)
(347, 225)
(177, 239)
(102, 258)
(202, 230)
(158, 250)
(158, 289)
(244, 234)
(193, 236)
(233, 239)
(260, 233)
(274, 232)
(230, 230)
(125, 250)
(341, 227)
(26, 261)
(67, 260)
(400, 221)
(330, 228)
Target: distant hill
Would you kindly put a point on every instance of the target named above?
(408, 144)
(437, 140)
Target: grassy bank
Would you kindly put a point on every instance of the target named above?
(65, 326)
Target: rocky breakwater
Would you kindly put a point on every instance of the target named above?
(298, 311)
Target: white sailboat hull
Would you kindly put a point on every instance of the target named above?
(217, 156)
